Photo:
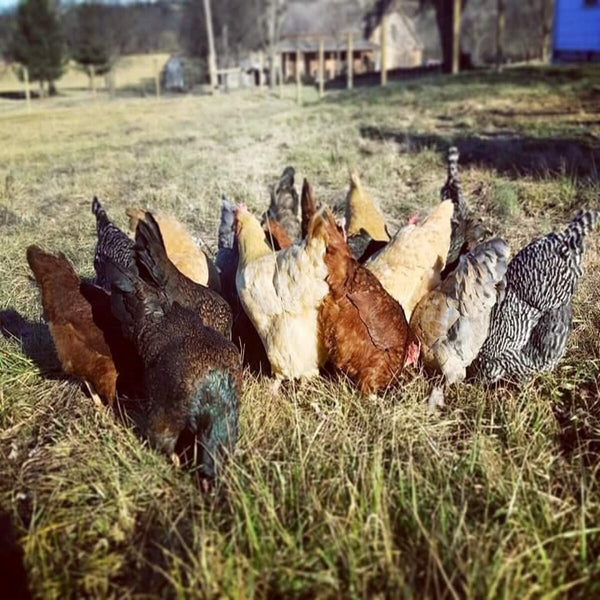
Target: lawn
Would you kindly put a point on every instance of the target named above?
(328, 494)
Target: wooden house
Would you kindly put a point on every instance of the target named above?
(332, 23)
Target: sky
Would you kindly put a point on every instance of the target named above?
(5, 4)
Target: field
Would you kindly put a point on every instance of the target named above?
(328, 494)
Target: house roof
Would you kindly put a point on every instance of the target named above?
(330, 44)
(322, 17)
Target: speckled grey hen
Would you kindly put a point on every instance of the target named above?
(192, 374)
(452, 321)
(530, 325)
(112, 246)
(467, 231)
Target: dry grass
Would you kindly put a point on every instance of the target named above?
(328, 494)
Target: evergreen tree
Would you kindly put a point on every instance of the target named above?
(37, 41)
(92, 40)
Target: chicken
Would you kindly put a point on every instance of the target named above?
(410, 265)
(192, 374)
(277, 236)
(364, 329)
(181, 248)
(453, 320)
(281, 292)
(308, 206)
(156, 269)
(113, 245)
(530, 324)
(82, 347)
(365, 227)
(285, 204)
(243, 332)
(467, 232)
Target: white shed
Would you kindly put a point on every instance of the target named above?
(576, 30)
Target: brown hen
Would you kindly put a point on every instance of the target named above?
(364, 329)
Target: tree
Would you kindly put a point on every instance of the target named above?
(444, 14)
(38, 42)
(92, 39)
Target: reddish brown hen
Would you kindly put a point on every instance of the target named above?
(277, 236)
(364, 329)
(81, 345)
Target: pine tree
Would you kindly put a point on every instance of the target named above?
(37, 41)
(92, 42)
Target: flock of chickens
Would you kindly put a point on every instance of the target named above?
(303, 290)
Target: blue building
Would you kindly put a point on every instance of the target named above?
(576, 30)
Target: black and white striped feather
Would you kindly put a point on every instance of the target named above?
(113, 246)
(530, 326)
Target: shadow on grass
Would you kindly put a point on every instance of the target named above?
(517, 155)
(35, 339)
(13, 577)
(578, 416)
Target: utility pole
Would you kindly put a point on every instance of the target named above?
(212, 57)
(384, 50)
(456, 37)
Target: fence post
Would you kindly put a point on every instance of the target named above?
(93, 81)
(212, 57)
(321, 69)
(298, 81)
(280, 78)
(157, 78)
(350, 61)
(27, 90)
(384, 50)
(261, 67)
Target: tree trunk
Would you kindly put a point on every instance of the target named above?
(443, 16)
(500, 23)
(546, 21)
(272, 28)
(456, 36)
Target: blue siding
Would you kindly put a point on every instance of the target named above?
(576, 26)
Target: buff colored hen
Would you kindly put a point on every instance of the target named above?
(365, 227)
(281, 292)
(181, 248)
(410, 265)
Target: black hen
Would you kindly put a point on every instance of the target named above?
(467, 232)
(285, 203)
(156, 268)
(530, 325)
(243, 333)
(113, 246)
(192, 374)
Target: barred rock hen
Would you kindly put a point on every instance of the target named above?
(366, 229)
(467, 232)
(82, 347)
(452, 321)
(530, 325)
(156, 269)
(113, 246)
(285, 204)
(192, 374)
(410, 265)
(243, 332)
(281, 293)
(181, 248)
(364, 329)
